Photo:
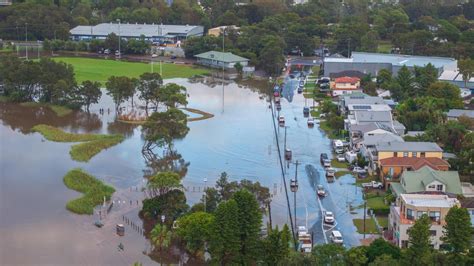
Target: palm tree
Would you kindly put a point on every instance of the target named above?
(160, 236)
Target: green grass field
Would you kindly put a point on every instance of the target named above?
(337, 164)
(94, 191)
(370, 227)
(100, 69)
(91, 144)
(341, 173)
(384, 47)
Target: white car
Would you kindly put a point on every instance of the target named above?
(281, 119)
(336, 237)
(341, 158)
(329, 218)
(310, 122)
(154, 55)
(321, 191)
(358, 169)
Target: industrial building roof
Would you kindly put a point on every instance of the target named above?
(415, 146)
(136, 30)
(397, 59)
(222, 57)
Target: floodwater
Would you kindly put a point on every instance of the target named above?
(35, 227)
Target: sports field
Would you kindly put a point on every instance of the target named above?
(101, 69)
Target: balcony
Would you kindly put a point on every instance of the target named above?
(401, 216)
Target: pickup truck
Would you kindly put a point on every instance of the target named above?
(372, 184)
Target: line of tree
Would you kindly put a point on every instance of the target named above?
(45, 81)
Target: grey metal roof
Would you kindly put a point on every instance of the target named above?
(136, 30)
(373, 116)
(381, 138)
(367, 127)
(460, 112)
(409, 147)
(221, 57)
(362, 99)
(396, 59)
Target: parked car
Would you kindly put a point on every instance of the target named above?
(329, 217)
(106, 51)
(154, 55)
(324, 159)
(281, 119)
(321, 192)
(341, 158)
(305, 110)
(173, 57)
(330, 172)
(372, 184)
(310, 122)
(358, 170)
(336, 237)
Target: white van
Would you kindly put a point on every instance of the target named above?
(336, 237)
(338, 146)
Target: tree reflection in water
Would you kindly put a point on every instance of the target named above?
(170, 161)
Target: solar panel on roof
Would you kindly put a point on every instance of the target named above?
(362, 107)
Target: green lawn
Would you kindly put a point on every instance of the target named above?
(370, 227)
(101, 69)
(383, 221)
(341, 173)
(94, 191)
(376, 203)
(91, 144)
(315, 113)
(58, 109)
(337, 164)
(384, 47)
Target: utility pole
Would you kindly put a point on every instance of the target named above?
(26, 40)
(223, 66)
(296, 180)
(365, 206)
(120, 51)
(205, 196)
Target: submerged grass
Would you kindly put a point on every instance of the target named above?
(94, 191)
(58, 109)
(83, 152)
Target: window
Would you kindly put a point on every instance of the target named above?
(395, 154)
(410, 214)
(405, 154)
(435, 216)
(433, 232)
(422, 154)
(432, 186)
(420, 213)
(413, 154)
(404, 243)
(439, 187)
(390, 171)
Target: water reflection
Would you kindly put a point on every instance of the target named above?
(170, 161)
(23, 118)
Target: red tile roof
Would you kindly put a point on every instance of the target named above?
(347, 80)
(415, 162)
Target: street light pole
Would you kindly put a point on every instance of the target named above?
(296, 181)
(205, 196)
(26, 40)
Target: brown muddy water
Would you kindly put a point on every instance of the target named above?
(35, 227)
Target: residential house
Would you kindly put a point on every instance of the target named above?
(391, 168)
(358, 133)
(410, 207)
(369, 143)
(409, 149)
(219, 59)
(358, 98)
(468, 203)
(382, 117)
(345, 85)
(428, 180)
(454, 114)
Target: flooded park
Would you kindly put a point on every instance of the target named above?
(240, 139)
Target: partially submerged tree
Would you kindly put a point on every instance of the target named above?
(163, 182)
(90, 93)
(161, 129)
(149, 86)
(120, 89)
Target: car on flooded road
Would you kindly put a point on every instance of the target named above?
(329, 217)
(321, 192)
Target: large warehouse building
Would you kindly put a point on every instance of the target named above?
(373, 62)
(152, 32)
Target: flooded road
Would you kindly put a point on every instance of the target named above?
(35, 227)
